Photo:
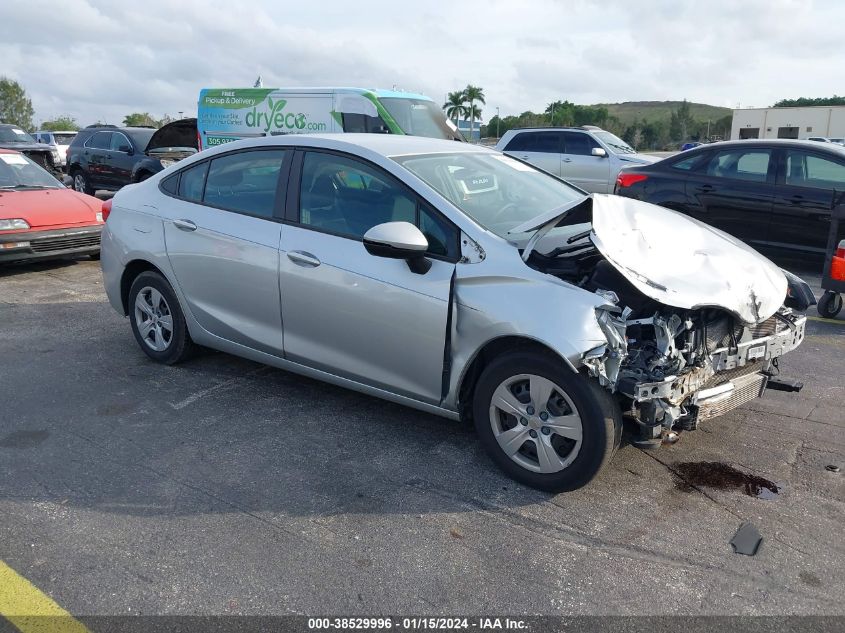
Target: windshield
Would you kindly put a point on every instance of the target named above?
(140, 136)
(616, 144)
(419, 117)
(64, 139)
(14, 135)
(18, 172)
(496, 191)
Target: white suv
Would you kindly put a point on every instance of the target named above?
(588, 157)
(60, 140)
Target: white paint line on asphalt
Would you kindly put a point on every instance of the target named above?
(221, 386)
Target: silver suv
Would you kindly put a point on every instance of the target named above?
(588, 157)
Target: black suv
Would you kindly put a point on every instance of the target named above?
(774, 194)
(12, 137)
(109, 157)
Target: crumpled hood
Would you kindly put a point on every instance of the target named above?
(684, 263)
(675, 259)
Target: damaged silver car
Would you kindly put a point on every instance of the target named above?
(456, 280)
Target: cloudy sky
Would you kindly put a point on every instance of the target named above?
(99, 59)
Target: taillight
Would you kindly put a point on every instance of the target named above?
(199, 141)
(626, 180)
(106, 209)
(837, 264)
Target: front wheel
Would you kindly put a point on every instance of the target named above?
(830, 304)
(157, 320)
(543, 424)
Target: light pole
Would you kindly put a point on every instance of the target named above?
(498, 121)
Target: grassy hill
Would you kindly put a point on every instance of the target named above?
(628, 111)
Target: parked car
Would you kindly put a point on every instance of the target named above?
(691, 145)
(109, 157)
(57, 139)
(456, 280)
(14, 138)
(588, 157)
(774, 194)
(39, 217)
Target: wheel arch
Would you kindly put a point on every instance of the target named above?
(130, 272)
(491, 350)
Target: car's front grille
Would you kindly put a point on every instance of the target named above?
(770, 326)
(746, 389)
(65, 243)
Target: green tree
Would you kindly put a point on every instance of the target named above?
(454, 106)
(15, 106)
(140, 119)
(681, 122)
(471, 95)
(835, 100)
(65, 123)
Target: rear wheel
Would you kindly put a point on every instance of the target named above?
(543, 424)
(830, 304)
(81, 184)
(157, 320)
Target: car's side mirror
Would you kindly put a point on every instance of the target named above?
(399, 240)
(599, 151)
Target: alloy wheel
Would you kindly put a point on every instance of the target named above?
(153, 319)
(536, 423)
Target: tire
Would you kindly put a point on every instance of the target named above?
(578, 460)
(830, 304)
(143, 176)
(81, 183)
(157, 301)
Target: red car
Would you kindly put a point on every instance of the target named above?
(41, 218)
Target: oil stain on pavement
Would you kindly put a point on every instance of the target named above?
(692, 475)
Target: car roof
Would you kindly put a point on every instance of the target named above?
(773, 143)
(387, 145)
(580, 128)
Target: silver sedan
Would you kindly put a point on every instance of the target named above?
(456, 280)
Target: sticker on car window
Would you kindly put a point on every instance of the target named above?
(13, 159)
(515, 164)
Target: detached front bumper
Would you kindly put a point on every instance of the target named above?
(31, 245)
(734, 375)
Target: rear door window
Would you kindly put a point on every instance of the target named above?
(545, 142)
(192, 181)
(245, 182)
(751, 164)
(100, 140)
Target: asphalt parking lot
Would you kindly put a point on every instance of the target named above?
(221, 486)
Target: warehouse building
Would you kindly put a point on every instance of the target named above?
(802, 123)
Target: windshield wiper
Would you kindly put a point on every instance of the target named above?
(7, 187)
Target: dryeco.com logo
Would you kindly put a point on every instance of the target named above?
(278, 119)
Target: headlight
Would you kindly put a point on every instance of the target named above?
(13, 225)
(100, 216)
(167, 163)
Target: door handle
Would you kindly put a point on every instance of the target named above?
(796, 199)
(704, 188)
(185, 225)
(566, 160)
(301, 258)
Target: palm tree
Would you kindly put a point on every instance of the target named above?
(473, 94)
(454, 106)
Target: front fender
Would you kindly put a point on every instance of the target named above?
(543, 309)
